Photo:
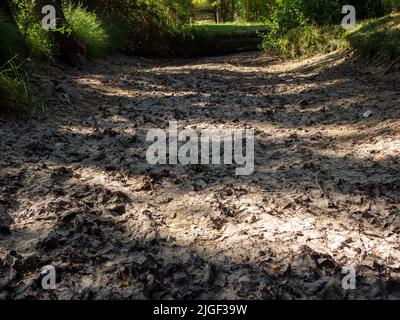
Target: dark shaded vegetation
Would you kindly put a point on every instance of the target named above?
(199, 40)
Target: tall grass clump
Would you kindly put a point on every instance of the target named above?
(14, 86)
(10, 39)
(89, 29)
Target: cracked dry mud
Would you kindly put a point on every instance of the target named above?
(77, 193)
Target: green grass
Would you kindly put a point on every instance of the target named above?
(89, 29)
(371, 37)
(14, 93)
(305, 41)
(100, 35)
(377, 35)
(14, 86)
(39, 42)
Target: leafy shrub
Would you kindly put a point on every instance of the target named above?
(148, 24)
(286, 17)
(117, 31)
(372, 8)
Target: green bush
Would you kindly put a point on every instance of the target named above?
(149, 24)
(39, 42)
(178, 11)
(288, 14)
(395, 4)
(372, 8)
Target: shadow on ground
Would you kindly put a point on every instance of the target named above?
(78, 193)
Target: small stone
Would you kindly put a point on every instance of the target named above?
(70, 91)
(367, 114)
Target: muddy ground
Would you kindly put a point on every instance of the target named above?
(76, 191)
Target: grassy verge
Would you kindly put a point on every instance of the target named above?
(377, 36)
(14, 91)
(14, 86)
(100, 35)
(371, 37)
(305, 41)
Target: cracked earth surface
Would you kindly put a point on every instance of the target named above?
(76, 191)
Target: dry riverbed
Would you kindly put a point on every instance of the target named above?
(76, 191)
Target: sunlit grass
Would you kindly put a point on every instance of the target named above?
(14, 86)
(377, 35)
(89, 29)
